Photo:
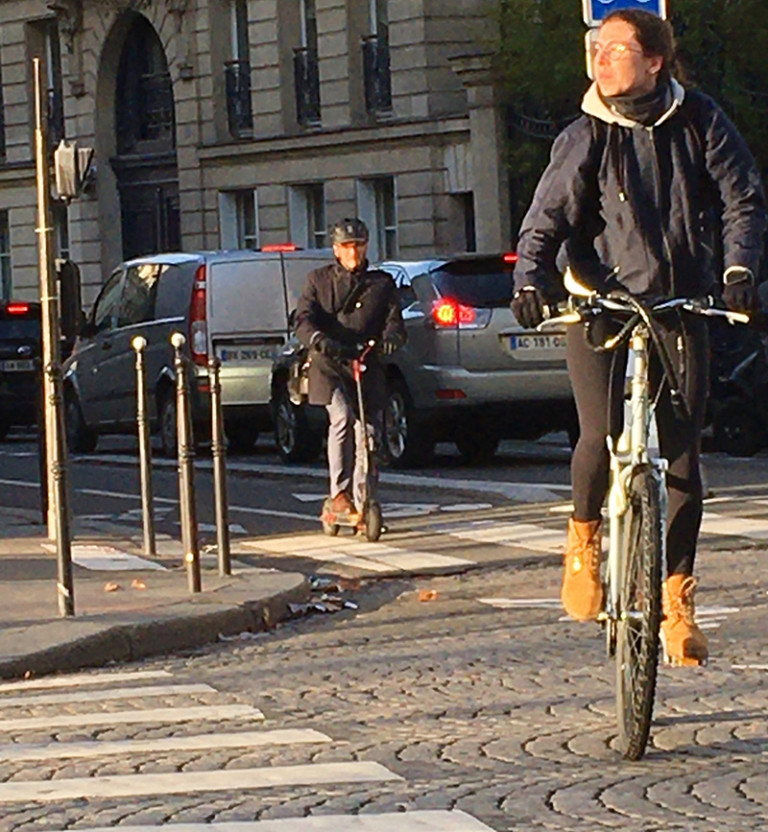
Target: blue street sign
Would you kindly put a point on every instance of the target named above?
(596, 10)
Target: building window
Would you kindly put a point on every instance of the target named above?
(239, 219)
(55, 87)
(60, 216)
(237, 74)
(307, 209)
(306, 68)
(377, 205)
(376, 67)
(6, 283)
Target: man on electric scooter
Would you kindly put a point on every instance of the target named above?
(342, 307)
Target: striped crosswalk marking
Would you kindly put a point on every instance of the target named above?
(208, 713)
(435, 820)
(131, 785)
(372, 557)
(83, 679)
(721, 524)
(524, 535)
(107, 558)
(102, 695)
(199, 742)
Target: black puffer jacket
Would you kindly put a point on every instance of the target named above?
(332, 303)
(659, 210)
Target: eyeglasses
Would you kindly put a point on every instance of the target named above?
(614, 50)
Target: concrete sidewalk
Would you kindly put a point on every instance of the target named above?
(121, 614)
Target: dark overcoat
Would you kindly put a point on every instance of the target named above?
(351, 308)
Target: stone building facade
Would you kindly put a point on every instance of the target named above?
(243, 123)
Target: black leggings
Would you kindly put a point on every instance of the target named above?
(591, 375)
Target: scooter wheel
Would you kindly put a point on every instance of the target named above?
(331, 529)
(373, 524)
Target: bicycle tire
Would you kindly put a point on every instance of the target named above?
(637, 636)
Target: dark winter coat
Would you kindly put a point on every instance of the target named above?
(659, 211)
(335, 303)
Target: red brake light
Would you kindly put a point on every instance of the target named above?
(198, 330)
(448, 312)
(511, 257)
(272, 247)
(17, 308)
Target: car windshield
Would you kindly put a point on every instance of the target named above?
(482, 283)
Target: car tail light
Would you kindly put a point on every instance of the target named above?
(511, 257)
(17, 308)
(198, 328)
(448, 313)
(273, 247)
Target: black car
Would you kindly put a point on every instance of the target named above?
(20, 350)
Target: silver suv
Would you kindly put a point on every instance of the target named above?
(469, 373)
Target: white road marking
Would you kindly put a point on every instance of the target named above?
(186, 782)
(392, 510)
(424, 820)
(309, 498)
(106, 558)
(78, 679)
(201, 742)
(459, 507)
(207, 713)
(234, 528)
(20, 483)
(750, 666)
(522, 535)
(737, 526)
(101, 695)
(373, 557)
(523, 603)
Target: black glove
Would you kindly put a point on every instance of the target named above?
(528, 307)
(740, 294)
(388, 346)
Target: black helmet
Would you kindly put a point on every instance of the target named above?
(349, 231)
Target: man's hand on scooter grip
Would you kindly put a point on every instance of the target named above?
(388, 346)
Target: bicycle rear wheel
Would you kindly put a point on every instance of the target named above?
(637, 637)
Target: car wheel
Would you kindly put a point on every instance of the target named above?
(81, 439)
(477, 448)
(406, 443)
(294, 439)
(168, 441)
(736, 430)
(241, 437)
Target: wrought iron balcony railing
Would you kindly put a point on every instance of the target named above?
(306, 78)
(237, 76)
(377, 75)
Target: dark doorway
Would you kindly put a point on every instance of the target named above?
(145, 164)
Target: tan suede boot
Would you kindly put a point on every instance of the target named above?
(684, 643)
(582, 592)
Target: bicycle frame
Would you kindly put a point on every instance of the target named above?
(629, 452)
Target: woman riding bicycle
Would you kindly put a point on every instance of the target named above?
(652, 190)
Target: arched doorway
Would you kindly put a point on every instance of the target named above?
(145, 142)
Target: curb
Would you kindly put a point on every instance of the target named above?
(129, 641)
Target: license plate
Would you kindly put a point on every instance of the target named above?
(537, 346)
(248, 355)
(17, 365)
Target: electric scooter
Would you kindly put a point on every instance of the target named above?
(370, 520)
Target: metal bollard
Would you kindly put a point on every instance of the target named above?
(219, 469)
(186, 454)
(139, 344)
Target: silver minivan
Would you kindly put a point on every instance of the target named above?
(233, 305)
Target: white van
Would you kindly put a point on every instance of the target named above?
(234, 305)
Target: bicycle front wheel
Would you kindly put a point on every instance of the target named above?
(637, 638)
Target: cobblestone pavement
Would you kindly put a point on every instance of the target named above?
(463, 702)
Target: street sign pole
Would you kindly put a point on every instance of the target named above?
(56, 456)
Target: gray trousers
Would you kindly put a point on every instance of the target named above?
(346, 447)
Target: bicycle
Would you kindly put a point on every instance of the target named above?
(636, 504)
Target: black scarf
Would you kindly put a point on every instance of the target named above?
(645, 109)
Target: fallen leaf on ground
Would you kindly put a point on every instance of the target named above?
(137, 583)
(427, 594)
(111, 586)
